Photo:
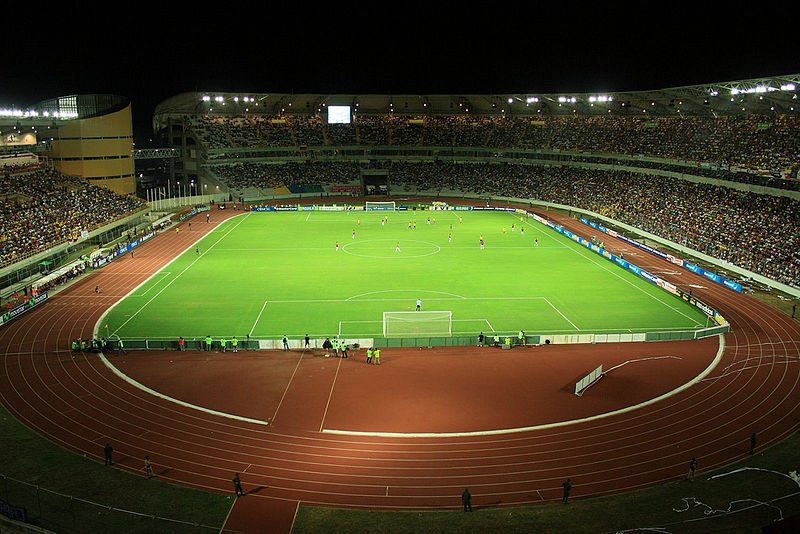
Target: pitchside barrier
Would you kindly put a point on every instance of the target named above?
(429, 341)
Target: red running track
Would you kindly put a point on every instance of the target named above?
(81, 403)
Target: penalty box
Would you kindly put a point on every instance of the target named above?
(365, 317)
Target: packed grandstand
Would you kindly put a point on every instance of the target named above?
(41, 208)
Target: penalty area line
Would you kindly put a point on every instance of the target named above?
(258, 318)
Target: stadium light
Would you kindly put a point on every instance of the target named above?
(532, 99)
(787, 87)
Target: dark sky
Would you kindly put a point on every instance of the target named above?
(149, 55)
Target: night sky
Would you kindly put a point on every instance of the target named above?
(394, 49)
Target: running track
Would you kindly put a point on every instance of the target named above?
(80, 403)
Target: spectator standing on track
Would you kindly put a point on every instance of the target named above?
(285, 343)
(377, 356)
(148, 467)
(692, 469)
(237, 485)
(208, 343)
(180, 343)
(567, 485)
(121, 347)
(521, 337)
(344, 350)
(108, 450)
(752, 442)
(466, 500)
(97, 289)
(223, 343)
(235, 344)
(481, 337)
(308, 342)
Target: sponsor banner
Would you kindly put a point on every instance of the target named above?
(330, 208)
(263, 208)
(672, 259)
(286, 208)
(462, 208)
(22, 308)
(702, 306)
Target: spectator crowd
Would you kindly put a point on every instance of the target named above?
(766, 144)
(41, 208)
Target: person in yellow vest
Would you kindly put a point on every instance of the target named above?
(369, 355)
(377, 356)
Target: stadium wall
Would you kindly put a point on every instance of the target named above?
(99, 149)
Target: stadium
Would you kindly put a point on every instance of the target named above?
(575, 296)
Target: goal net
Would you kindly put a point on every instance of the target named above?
(387, 206)
(417, 324)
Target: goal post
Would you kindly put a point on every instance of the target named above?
(418, 324)
(380, 206)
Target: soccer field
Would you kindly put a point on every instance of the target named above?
(270, 274)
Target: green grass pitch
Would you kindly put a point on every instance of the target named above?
(269, 274)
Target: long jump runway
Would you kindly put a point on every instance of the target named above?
(416, 429)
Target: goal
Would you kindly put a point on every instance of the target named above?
(374, 206)
(418, 324)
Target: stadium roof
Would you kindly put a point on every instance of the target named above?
(776, 94)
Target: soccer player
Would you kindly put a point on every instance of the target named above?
(354, 233)
(337, 246)
(521, 230)
(419, 304)
(409, 225)
(512, 228)
(536, 242)
(429, 220)
(504, 230)
(397, 247)
(481, 243)
(460, 220)
(449, 238)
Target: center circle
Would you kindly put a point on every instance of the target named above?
(388, 248)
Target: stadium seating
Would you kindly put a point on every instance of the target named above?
(41, 208)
